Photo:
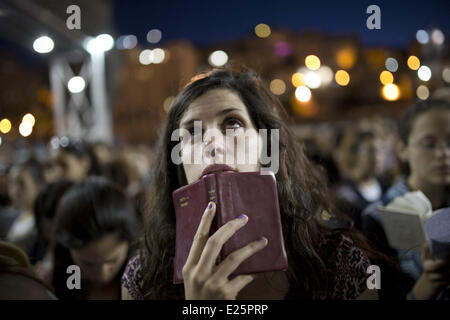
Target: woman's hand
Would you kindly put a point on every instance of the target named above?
(435, 276)
(203, 279)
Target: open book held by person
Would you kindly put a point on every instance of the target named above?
(409, 222)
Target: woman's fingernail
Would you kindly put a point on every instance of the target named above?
(242, 216)
(262, 239)
(210, 205)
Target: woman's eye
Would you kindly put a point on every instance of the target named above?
(233, 123)
(194, 130)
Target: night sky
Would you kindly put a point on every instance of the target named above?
(209, 22)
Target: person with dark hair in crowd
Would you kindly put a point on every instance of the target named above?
(359, 165)
(95, 229)
(324, 262)
(425, 148)
(72, 160)
(324, 160)
(25, 180)
(41, 254)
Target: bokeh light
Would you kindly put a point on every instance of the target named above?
(154, 36)
(326, 75)
(262, 30)
(391, 92)
(282, 49)
(5, 126)
(101, 43)
(446, 74)
(130, 41)
(391, 64)
(43, 44)
(422, 92)
(76, 84)
(312, 62)
(145, 57)
(424, 73)
(422, 37)
(413, 63)
(342, 77)
(157, 55)
(312, 80)
(386, 77)
(29, 118)
(437, 37)
(277, 86)
(303, 94)
(25, 129)
(218, 58)
(297, 79)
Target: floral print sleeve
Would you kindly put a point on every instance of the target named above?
(347, 267)
(132, 279)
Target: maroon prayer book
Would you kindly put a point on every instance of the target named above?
(234, 193)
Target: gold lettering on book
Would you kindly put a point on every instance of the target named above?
(183, 198)
(211, 191)
(184, 204)
(212, 198)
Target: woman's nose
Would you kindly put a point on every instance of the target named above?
(213, 144)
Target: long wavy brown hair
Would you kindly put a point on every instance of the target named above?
(302, 191)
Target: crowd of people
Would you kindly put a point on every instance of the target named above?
(108, 210)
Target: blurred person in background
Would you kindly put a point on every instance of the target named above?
(95, 228)
(41, 253)
(72, 160)
(25, 180)
(18, 280)
(7, 213)
(358, 157)
(424, 147)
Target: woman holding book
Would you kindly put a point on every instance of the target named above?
(324, 262)
(425, 147)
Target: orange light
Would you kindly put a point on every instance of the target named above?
(386, 77)
(346, 58)
(298, 79)
(413, 63)
(342, 77)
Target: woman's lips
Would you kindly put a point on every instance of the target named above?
(216, 168)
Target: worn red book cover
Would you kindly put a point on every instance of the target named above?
(234, 193)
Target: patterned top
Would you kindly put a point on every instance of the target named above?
(347, 266)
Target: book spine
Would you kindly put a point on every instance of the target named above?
(212, 195)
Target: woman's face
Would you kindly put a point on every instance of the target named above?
(72, 168)
(22, 188)
(428, 149)
(367, 159)
(101, 260)
(219, 110)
